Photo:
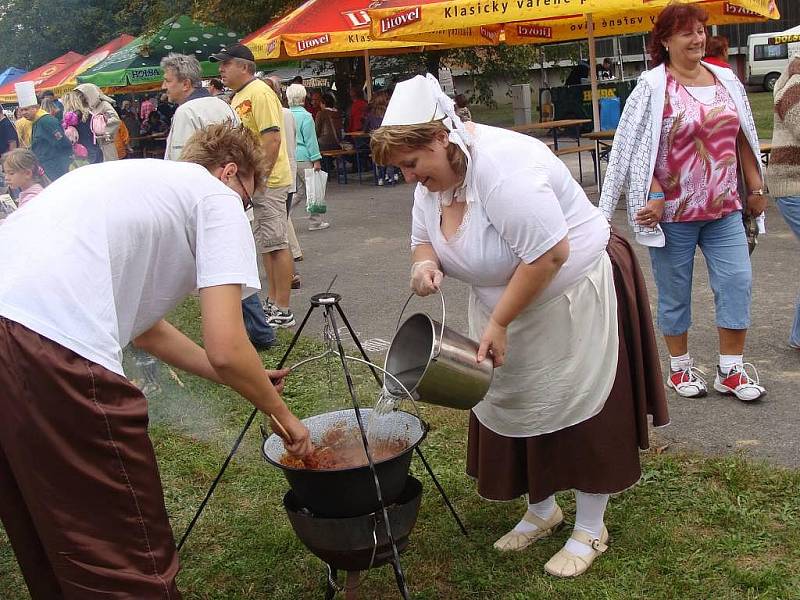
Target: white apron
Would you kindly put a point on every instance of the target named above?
(561, 358)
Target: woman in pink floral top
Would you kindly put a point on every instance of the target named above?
(689, 122)
(696, 164)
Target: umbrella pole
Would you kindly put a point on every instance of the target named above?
(368, 74)
(593, 80)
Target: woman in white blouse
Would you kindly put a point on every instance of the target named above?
(558, 303)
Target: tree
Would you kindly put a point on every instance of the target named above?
(33, 32)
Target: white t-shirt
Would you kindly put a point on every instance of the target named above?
(193, 116)
(107, 250)
(522, 200)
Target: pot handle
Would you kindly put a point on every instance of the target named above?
(438, 346)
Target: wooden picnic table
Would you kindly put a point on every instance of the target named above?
(608, 134)
(602, 143)
(152, 145)
(553, 126)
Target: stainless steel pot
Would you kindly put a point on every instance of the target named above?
(436, 364)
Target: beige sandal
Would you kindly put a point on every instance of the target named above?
(567, 564)
(515, 540)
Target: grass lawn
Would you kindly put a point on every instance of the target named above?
(503, 116)
(694, 528)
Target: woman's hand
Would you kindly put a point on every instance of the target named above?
(426, 277)
(650, 215)
(277, 378)
(756, 203)
(493, 343)
(317, 165)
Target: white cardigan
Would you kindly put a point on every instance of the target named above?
(633, 155)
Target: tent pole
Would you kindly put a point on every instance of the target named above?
(593, 73)
(595, 101)
(368, 74)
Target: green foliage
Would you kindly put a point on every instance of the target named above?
(248, 15)
(693, 528)
(489, 64)
(33, 32)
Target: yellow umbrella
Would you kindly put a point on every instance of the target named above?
(556, 20)
(401, 18)
(334, 28)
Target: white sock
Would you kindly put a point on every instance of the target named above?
(543, 510)
(679, 363)
(589, 511)
(726, 361)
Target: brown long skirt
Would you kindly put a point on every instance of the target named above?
(599, 455)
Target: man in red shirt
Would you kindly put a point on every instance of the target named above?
(358, 110)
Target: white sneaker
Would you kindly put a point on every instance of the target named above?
(739, 383)
(268, 307)
(380, 181)
(318, 226)
(688, 382)
(281, 319)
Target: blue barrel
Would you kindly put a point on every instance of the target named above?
(610, 110)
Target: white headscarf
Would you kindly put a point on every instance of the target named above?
(421, 100)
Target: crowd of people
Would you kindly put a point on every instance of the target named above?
(557, 298)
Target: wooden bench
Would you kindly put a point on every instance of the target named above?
(338, 158)
(581, 148)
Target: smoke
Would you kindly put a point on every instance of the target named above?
(171, 402)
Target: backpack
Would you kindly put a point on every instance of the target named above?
(98, 125)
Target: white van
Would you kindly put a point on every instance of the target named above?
(768, 54)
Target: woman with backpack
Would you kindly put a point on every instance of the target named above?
(104, 121)
(74, 104)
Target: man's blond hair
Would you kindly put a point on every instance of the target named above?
(223, 143)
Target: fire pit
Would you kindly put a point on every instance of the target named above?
(350, 491)
(348, 543)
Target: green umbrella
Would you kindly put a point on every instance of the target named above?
(138, 62)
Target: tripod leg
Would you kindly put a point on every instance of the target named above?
(296, 337)
(441, 491)
(401, 580)
(210, 492)
(358, 344)
(239, 439)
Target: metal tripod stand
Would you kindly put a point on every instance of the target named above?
(329, 301)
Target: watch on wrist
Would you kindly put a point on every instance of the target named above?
(758, 192)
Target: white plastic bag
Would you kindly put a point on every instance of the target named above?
(316, 182)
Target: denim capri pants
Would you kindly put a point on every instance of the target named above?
(724, 246)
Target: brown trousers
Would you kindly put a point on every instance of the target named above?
(80, 494)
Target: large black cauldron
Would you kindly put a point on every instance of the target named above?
(350, 492)
(347, 544)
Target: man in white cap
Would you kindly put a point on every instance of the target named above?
(48, 141)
